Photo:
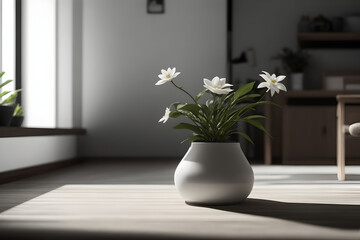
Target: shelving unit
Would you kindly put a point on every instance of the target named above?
(329, 40)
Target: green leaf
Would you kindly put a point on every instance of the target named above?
(188, 126)
(4, 93)
(193, 139)
(175, 114)
(255, 95)
(193, 108)
(200, 94)
(1, 74)
(243, 90)
(11, 98)
(6, 82)
(179, 105)
(18, 111)
(253, 117)
(245, 136)
(258, 125)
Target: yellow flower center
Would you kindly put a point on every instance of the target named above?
(273, 81)
(168, 75)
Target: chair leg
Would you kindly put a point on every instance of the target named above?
(340, 141)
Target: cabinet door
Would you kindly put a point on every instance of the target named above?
(309, 135)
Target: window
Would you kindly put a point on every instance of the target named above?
(36, 43)
(39, 62)
(8, 41)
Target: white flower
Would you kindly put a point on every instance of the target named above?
(167, 75)
(166, 116)
(217, 85)
(272, 83)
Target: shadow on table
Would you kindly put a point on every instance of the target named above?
(327, 215)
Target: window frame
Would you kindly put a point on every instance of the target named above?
(18, 48)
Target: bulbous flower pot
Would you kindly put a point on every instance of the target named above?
(6, 112)
(214, 174)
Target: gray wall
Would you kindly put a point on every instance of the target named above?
(22, 152)
(124, 49)
(268, 26)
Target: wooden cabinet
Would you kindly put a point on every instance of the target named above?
(304, 129)
(309, 134)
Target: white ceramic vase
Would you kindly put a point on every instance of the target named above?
(297, 81)
(214, 174)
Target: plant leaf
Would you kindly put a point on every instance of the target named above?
(193, 108)
(193, 138)
(245, 136)
(4, 93)
(11, 98)
(253, 117)
(258, 125)
(175, 114)
(18, 111)
(188, 126)
(1, 74)
(6, 82)
(243, 90)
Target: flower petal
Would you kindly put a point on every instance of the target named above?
(207, 82)
(163, 71)
(222, 81)
(263, 84)
(226, 85)
(173, 71)
(280, 78)
(267, 74)
(266, 78)
(281, 87)
(216, 81)
(162, 81)
(272, 91)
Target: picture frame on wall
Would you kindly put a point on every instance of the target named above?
(156, 6)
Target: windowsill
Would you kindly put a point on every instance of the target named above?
(28, 132)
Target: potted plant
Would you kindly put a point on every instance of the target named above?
(215, 170)
(7, 105)
(18, 117)
(294, 63)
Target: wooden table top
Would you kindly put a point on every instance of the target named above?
(134, 201)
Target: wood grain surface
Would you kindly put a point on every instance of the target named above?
(137, 200)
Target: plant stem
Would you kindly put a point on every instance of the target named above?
(180, 87)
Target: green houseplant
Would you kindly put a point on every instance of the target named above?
(215, 170)
(18, 117)
(7, 105)
(294, 63)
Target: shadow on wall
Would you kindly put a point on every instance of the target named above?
(326, 215)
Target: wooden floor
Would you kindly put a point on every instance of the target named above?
(137, 200)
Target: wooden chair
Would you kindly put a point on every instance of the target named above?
(342, 129)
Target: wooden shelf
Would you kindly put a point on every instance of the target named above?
(329, 40)
(27, 132)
